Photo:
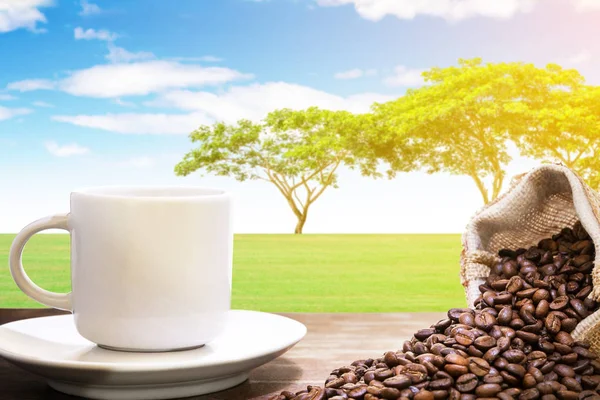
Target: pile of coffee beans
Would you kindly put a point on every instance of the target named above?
(515, 344)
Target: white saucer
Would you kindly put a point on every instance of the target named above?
(52, 348)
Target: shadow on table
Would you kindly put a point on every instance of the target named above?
(280, 374)
(258, 387)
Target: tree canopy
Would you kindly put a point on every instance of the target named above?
(565, 128)
(299, 152)
(461, 120)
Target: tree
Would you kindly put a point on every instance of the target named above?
(461, 120)
(565, 128)
(299, 152)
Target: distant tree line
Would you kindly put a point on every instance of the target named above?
(462, 122)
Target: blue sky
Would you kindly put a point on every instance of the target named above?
(105, 92)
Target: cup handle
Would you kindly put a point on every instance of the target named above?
(62, 301)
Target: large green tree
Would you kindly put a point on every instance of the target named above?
(298, 152)
(565, 128)
(461, 119)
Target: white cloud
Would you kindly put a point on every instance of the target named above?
(120, 55)
(7, 113)
(67, 150)
(6, 97)
(404, 76)
(355, 73)
(451, 10)
(152, 124)
(88, 8)
(138, 162)
(124, 103)
(92, 34)
(31, 84)
(42, 104)
(583, 5)
(16, 14)
(256, 100)
(203, 58)
(251, 102)
(350, 74)
(583, 57)
(136, 79)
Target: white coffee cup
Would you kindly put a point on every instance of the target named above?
(150, 266)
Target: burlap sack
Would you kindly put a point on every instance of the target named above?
(538, 205)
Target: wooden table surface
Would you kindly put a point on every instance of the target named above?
(332, 340)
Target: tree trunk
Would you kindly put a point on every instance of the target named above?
(300, 224)
(482, 188)
(498, 182)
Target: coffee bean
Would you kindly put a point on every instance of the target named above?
(505, 315)
(383, 373)
(527, 293)
(516, 343)
(512, 392)
(529, 381)
(584, 292)
(466, 383)
(565, 338)
(488, 390)
(484, 321)
(569, 324)
(530, 394)
(567, 395)
(440, 384)
(539, 295)
(572, 286)
(503, 343)
(579, 307)
(514, 356)
(545, 388)
(392, 393)
(492, 354)
(571, 384)
(466, 319)
(398, 382)
(528, 337)
(516, 370)
(465, 338)
(499, 285)
(357, 392)
(509, 379)
(564, 370)
(455, 370)
(579, 260)
(542, 309)
(454, 313)
(509, 269)
(423, 395)
(503, 298)
(484, 343)
(336, 383)
(500, 363)
(589, 394)
(456, 359)
(553, 323)
(527, 316)
(514, 284)
(559, 303)
(478, 366)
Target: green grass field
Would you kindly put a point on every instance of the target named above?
(303, 273)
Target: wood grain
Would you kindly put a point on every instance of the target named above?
(333, 340)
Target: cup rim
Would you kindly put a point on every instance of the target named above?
(152, 192)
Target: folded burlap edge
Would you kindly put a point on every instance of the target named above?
(476, 261)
